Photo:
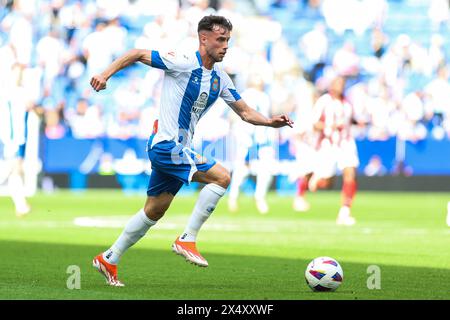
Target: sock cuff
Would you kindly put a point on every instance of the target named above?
(116, 250)
(216, 189)
(146, 219)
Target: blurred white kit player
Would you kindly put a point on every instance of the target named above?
(12, 146)
(244, 137)
(13, 117)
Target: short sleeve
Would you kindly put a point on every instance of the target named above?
(229, 93)
(170, 61)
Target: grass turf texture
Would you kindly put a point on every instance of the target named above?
(251, 256)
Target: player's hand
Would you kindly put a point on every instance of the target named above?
(281, 121)
(98, 82)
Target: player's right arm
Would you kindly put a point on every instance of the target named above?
(98, 82)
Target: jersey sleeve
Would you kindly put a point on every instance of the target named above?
(229, 93)
(170, 61)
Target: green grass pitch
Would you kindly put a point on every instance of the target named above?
(251, 256)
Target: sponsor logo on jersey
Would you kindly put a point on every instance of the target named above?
(200, 103)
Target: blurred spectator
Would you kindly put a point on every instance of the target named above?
(439, 13)
(50, 53)
(314, 45)
(438, 97)
(18, 25)
(338, 14)
(377, 11)
(413, 110)
(380, 109)
(97, 50)
(375, 167)
(72, 16)
(346, 61)
(152, 34)
(354, 15)
(115, 36)
(378, 41)
(85, 121)
(54, 129)
(124, 120)
(436, 52)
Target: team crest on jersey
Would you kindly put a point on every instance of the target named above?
(215, 85)
(200, 103)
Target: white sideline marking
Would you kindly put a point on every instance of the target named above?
(250, 225)
(229, 224)
(119, 222)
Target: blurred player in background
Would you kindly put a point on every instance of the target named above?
(13, 132)
(244, 137)
(304, 142)
(336, 148)
(192, 83)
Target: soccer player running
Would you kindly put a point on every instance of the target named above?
(192, 83)
(332, 119)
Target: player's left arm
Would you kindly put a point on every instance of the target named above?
(252, 116)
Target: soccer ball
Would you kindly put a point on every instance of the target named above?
(324, 274)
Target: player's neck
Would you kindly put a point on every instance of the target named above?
(207, 61)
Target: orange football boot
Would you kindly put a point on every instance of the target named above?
(108, 270)
(190, 252)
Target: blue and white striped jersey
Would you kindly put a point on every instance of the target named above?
(189, 90)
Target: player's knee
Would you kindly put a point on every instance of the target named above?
(349, 176)
(348, 179)
(154, 213)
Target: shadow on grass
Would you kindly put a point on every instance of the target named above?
(39, 271)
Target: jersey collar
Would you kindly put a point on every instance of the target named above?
(199, 58)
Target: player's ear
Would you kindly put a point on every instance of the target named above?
(202, 37)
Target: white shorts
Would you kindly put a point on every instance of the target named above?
(305, 156)
(266, 161)
(331, 158)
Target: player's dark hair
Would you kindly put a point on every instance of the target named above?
(208, 22)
